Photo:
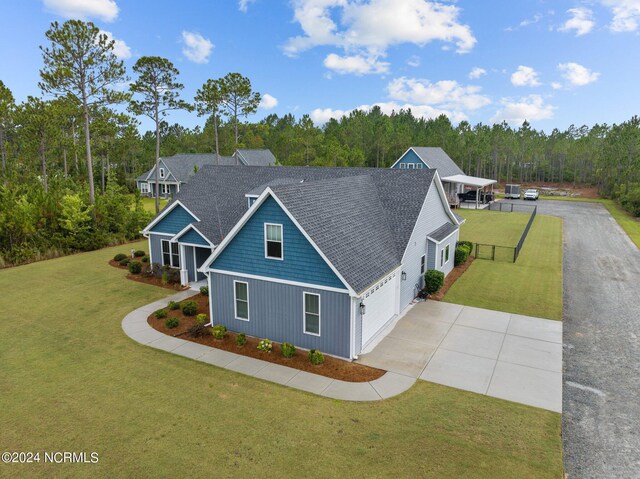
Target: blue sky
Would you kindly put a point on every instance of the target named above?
(554, 63)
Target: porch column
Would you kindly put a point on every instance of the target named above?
(184, 272)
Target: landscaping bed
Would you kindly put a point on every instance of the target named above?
(451, 278)
(168, 279)
(332, 367)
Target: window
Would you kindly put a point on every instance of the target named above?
(241, 296)
(161, 172)
(251, 200)
(403, 166)
(411, 166)
(170, 254)
(273, 241)
(144, 187)
(444, 256)
(312, 314)
(164, 189)
(422, 260)
(419, 166)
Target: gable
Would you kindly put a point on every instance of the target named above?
(174, 222)
(409, 158)
(192, 237)
(245, 253)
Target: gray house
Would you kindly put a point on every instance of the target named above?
(175, 171)
(323, 258)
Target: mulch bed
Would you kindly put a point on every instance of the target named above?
(452, 278)
(332, 368)
(147, 279)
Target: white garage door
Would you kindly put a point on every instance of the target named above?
(380, 303)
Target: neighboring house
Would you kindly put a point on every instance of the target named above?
(320, 257)
(453, 178)
(175, 171)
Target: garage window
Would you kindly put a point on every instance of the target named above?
(241, 300)
(312, 314)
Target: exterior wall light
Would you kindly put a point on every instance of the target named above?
(363, 309)
(404, 276)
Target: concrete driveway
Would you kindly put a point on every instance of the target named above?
(509, 356)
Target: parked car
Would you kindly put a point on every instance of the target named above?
(531, 194)
(512, 192)
(470, 195)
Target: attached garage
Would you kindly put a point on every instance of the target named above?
(380, 307)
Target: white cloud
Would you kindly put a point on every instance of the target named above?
(120, 48)
(368, 29)
(556, 86)
(356, 64)
(576, 74)
(196, 47)
(243, 5)
(530, 21)
(414, 61)
(581, 21)
(530, 108)
(445, 94)
(268, 102)
(105, 10)
(626, 14)
(525, 76)
(477, 72)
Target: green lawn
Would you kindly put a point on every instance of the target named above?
(72, 381)
(531, 286)
(150, 204)
(492, 227)
(628, 223)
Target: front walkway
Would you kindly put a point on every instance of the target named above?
(508, 356)
(136, 327)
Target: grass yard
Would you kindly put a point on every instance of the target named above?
(150, 204)
(628, 223)
(72, 381)
(492, 227)
(532, 286)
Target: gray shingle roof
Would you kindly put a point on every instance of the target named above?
(441, 233)
(355, 204)
(181, 166)
(257, 157)
(436, 157)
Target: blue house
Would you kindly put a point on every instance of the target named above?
(322, 258)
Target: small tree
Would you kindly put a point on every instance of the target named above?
(159, 90)
(80, 63)
(208, 101)
(238, 98)
(7, 106)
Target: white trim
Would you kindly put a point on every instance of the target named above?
(403, 155)
(444, 262)
(209, 297)
(161, 174)
(396, 270)
(423, 264)
(304, 314)
(164, 212)
(266, 193)
(443, 239)
(177, 236)
(445, 201)
(352, 327)
(195, 267)
(235, 300)
(157, 234)
(281, 258)
(277, 280)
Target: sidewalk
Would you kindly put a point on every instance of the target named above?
(136, 327)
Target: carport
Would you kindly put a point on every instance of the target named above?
(473, 181)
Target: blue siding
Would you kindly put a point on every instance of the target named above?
(193, 237)
(245, 253)
(155, 247)
(174, 222)
(410, 157)
(188, 263)
(276, 312)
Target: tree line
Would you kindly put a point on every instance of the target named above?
(69, 156)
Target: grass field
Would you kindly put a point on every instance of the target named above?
(72, 381)
(492, 227)
(150, 204)
(531, 286)
(628, 223)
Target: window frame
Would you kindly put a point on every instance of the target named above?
(161, 172)
(305, 312)
(423, 263)
(235, 300)
(419, 166)
(176, 254)
(168, 252)
(411, 166)
(266, 241)
(144, 187)
(171, 253)
(403, 166)
(445, 255)
(165, 189)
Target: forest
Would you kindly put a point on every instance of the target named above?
(70, 156)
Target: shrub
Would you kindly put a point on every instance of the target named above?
(153, 271)
(135, 267)
(265, 345)
(139, 253)
(173, 305)
(189, 308)
(197, 330)
(461, 255)
(172, 323)
(119, 257)
(288, 350)
(124, 262)
(202, 319)
(145, 259)
(204, 290)
(219, 331)
(241, 339)
(161, 313)
(170, 275)
(466, 244)
(316, 357)
(433, 281)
